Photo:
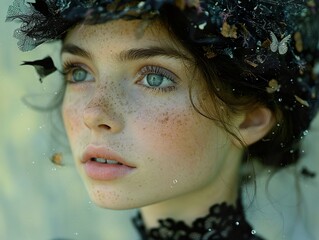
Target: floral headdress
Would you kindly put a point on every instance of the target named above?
(276, 41)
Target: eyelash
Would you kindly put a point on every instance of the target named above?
(151, 69)
(69, 67)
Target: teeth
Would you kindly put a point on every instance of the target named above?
(112, 162)
(103, 160)
(100, 160)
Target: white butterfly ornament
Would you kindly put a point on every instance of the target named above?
(282, 46)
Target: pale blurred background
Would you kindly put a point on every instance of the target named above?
(39, 200)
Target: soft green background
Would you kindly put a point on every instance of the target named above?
(41, 201)
(37, 199)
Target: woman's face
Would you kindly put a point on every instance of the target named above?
(127, 100)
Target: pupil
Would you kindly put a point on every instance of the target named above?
(154, 80)
(79, 75)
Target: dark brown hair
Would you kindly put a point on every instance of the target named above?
(226, 85)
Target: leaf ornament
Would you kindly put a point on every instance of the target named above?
(280, 46)
(182, 4)
(298, 41)
(251, 63)
(302, 101)
(229, 31)
(273, 86)
(209, 52)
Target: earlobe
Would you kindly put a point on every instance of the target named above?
(256, 124)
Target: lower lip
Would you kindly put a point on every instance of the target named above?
(106, 172)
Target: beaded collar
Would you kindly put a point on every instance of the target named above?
(224, 222)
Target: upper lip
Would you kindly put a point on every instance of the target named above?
(93, 151)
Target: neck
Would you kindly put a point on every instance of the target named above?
(196, 204)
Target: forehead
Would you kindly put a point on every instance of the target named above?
(123, 34)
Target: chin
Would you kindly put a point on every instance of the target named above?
(110, 198)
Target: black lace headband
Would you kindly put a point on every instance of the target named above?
(276, 41)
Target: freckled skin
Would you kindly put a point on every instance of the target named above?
(183, 160)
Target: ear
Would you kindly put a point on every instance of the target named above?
(255, 124)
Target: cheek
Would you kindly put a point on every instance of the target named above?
(180, 151)
(72, 117)
(178, 139)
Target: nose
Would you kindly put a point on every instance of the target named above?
(102, 114)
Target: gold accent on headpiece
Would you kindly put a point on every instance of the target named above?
(229, 31)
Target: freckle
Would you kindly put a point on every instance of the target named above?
(164, 120)
(129, 199)
(112, 195)
(99, 195)
(163, 135)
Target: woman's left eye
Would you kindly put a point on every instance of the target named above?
(156, 78)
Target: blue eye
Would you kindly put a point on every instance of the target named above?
(79, 75)
(157, 78)
(75, 74)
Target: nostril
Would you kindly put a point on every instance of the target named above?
(104, 126)
(98, 119)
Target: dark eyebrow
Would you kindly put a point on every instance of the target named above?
(131, 54)
(75, 50)
(145, 53)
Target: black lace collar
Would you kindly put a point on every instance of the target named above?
(224, 222)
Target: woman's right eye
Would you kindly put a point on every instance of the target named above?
(77, 74)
